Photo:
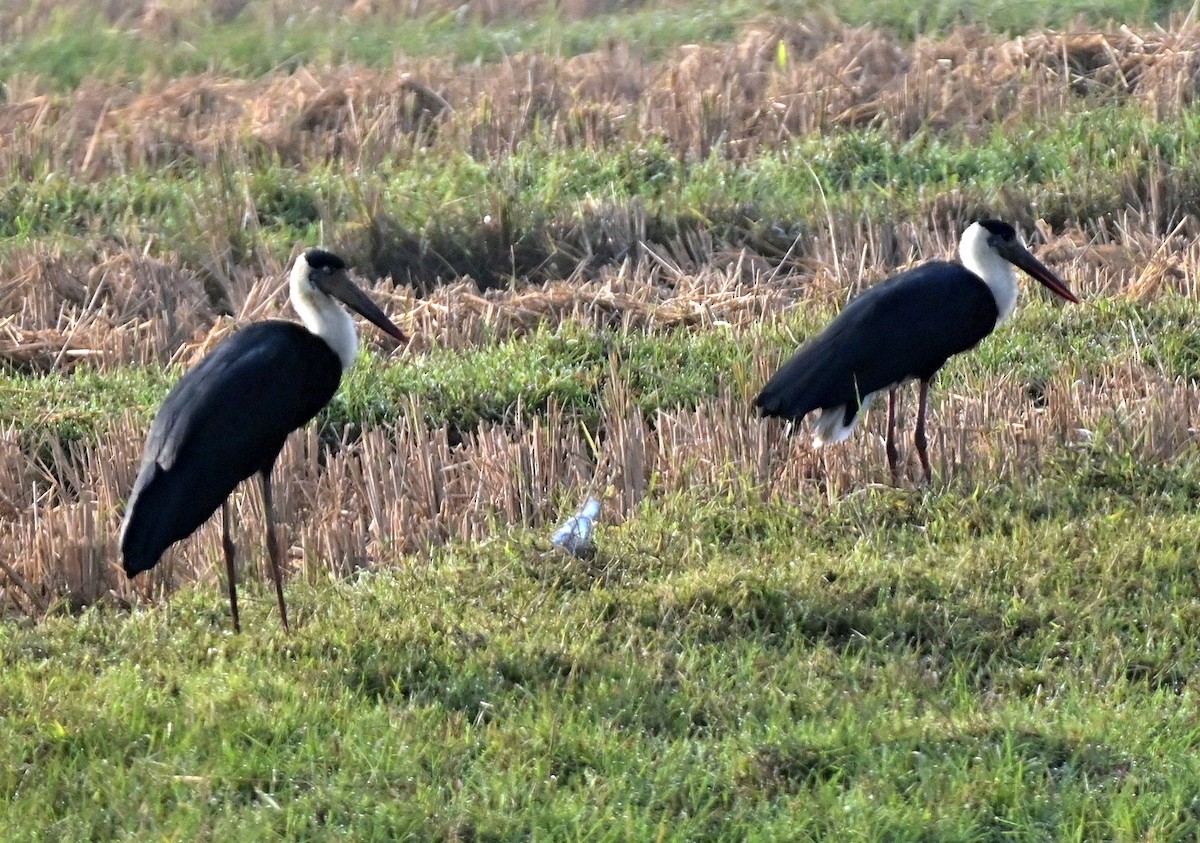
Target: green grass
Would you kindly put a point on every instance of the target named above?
(79, 404)
(968, 663)
(77, 42)
(536, 212)
(570, 366)
(986, 659)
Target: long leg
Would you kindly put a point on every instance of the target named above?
(893, 456)
(227, 543)
(273, 545)
(919, 436)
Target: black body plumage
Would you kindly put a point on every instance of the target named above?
(225, 420)
(901, 329)
(229, 417)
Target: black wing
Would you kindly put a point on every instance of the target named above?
(907, 327)
(223, 421)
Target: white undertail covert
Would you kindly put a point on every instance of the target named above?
(979, 257)
(830, 426)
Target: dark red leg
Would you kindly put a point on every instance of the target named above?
(919, 436)
(893, 456)
(273, 546)
(227, 542)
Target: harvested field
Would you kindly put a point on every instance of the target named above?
(66, 498)
(602, 248)
(135, 298)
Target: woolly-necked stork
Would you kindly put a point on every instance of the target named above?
(904, 328)
(228, 417)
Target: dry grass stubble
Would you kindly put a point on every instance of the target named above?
(385, 496)
(401, 487)
(115, 307)
(394, 491)
(736, 98)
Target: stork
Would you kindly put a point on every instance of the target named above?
(902, 329)
(228, 418)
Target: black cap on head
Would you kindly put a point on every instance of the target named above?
(998, 228)
(321, 259)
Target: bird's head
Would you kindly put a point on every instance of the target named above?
(1002, 238)
(318, 272)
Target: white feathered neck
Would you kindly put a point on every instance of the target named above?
(1000, 275)
(322, 315)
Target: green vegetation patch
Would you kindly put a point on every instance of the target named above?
(570, 366)
(543, 210)
(79, 41)
(724, 669)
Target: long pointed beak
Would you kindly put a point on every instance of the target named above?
(1018, 255)
(342, 288)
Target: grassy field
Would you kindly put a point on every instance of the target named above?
(604, 223)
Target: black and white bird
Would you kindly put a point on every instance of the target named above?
(229, 417)
(902, 329)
